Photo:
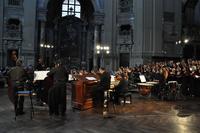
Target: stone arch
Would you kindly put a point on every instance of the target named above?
(54, 21)
(197, 13)
(98, 5)
(89, 8)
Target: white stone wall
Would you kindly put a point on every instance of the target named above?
(29, 32)
(172, 50)
(26, 14)
(108, 30)
(149, 30)
(146, 21)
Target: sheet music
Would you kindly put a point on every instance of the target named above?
(70, 77)
(40, 75)
(112, 78)
(145, 84)
(90, 78)
(142, 78)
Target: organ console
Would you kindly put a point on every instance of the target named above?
(82, 91)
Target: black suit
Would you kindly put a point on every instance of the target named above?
(104, 84)
(121, 88)
(39, 84)
(57, 94)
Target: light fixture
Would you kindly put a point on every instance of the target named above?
(41, 45)
(102, 49)
(107, 52)
(48, 46)
(98, 47)
(186, 41)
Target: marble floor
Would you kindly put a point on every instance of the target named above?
(144, 115)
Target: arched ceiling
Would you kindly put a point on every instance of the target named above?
(191, 7)
(189, 4)
(197, 13)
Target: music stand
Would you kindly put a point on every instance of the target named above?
(40, 75)
(142, 79)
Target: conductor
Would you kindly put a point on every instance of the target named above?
(57, 94)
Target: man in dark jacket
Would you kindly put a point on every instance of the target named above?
(57, 94)
(121, 88)
(104, 84)
(38, 85)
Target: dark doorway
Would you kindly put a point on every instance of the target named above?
(188, 51)
(90, 64)
(98, 62)
(124, 60)
(197, 52)
(191, 51)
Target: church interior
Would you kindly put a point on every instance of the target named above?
(94, 66)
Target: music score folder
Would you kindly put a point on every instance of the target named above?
(90, 78)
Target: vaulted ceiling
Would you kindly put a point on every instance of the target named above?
(190, 12)
(189, 4)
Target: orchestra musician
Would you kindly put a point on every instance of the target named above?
(17, 76)
(40, 65)
(47, 84)
(104, 84)
(57, 93)
(39, 84)
(122, 87)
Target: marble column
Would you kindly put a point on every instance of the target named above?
(96, 42)
(99, 20)
(42, 36)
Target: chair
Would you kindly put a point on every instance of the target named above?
(172, 90)
(22, 90)
(126, 95)
(123, 91)
(133, 88)
(108, 98)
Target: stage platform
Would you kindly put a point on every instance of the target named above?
(144, 115)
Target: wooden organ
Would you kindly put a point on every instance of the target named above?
(82, 89)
